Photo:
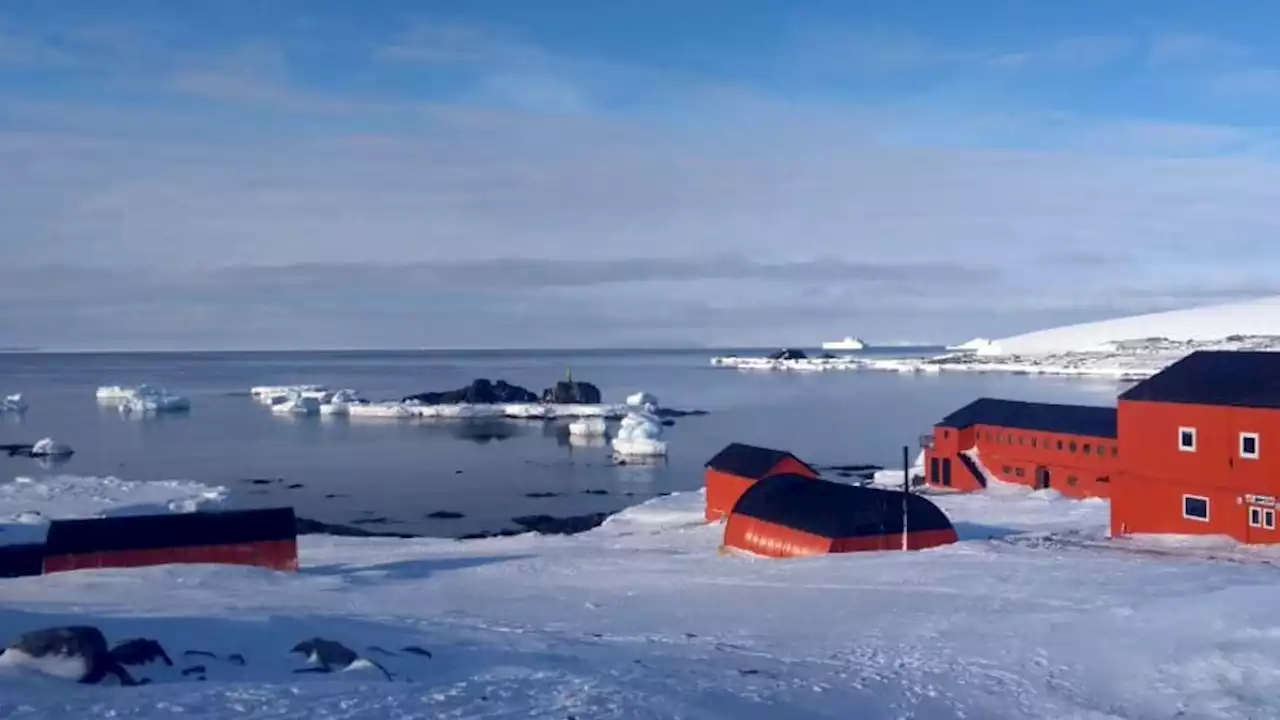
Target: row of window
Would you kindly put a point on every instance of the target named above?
(1033, 441)
(1195, 507)
(1249, 445)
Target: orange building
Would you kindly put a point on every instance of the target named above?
(1070, 448)
(738, 467)
(1201, 449)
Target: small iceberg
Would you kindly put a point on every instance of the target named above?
(143, 400)
(640, 435)
(119, 393)
(274, 394)
(641, 399)
(13, 404)
(298, 404)
(339, 403)
(48, 447)
(588, 427)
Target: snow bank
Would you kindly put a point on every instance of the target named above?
(1201, 324)
(639, 435)
(1015, 621)
(28, 505)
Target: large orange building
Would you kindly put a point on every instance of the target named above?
(1184, 452)
(1070, 448)
(1200, 449)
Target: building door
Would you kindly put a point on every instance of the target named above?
(934, 476)
(1042, 477)
(946, 472)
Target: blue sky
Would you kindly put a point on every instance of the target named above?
(284, 174)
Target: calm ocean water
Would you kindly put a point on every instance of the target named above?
(362, 470)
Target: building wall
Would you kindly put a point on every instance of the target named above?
(772, 540)
(273, 554)
(947, 444)
(724, 489)
(1156, 474)
(1077, 466)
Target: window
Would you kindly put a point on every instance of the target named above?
(1255, 517)
(1269, 519)
(1019, 472)
(1195, 507)
(1104, 480)
(1249, 446)
(1115, 451)
(1059, 444)
(1034, 442)
(946, 434)
(1187, 439)
(1088, 448)
(1021, 439)
(1072, 446)
(1008, 470)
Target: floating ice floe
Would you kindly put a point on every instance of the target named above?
(13, 404)
(339, 403)
(120, 393)
(273, 394)
(586, 427)
(48, 447)
(639, 436)
(298, 404)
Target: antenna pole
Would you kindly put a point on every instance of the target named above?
(906, 490)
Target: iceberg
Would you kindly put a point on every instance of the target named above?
(143, 399)
(13, 404)
(272, 394)
(584, 427)
(48, 447)
(298, 404)
(642, 399)
(639, 436)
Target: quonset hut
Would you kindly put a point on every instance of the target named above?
(1073, 449)
(795, 515)
(739, 466)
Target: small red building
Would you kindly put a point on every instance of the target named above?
(796, 515)
(738, 467)
(1201, 449)
(265, 538)
(1071, 448)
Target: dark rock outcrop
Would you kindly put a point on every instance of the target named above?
(479, 392)
(305, 526)
(139, 651)
(572, 392)
(572, 525)
(88, 644)
(788, 354)
(445, 515)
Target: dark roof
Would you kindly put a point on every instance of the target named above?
(749, 461)
(148, 532)
(1085, 420)
(1233, 378)
(21, 560)
(835, 510)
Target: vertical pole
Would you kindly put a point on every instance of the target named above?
(906, 489)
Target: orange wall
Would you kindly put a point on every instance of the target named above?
(1005, 452)
(772, 540)
(724, 489)
(273, 554)
(1150, 432)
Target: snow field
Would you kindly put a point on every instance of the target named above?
(642, 618)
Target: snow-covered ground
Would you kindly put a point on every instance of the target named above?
(644, 618)
(1124, 349)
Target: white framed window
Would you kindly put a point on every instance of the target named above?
(1195, 507)
(1269, 519)
(1249, 446)
(1255, 517)
(1187, 439)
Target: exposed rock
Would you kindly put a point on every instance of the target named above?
(479, 392)
(538, 495)
(293, 486)
(139, 651)
(670, 413)
(446, 515)
(788, 354)
(237, 659)
(572, 525)
(329, 655)
(84, 643)
(306, 526)
(595, 492)
(571, 392)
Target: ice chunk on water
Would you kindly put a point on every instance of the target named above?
(590, 426)
(48, 447)
(639, 435)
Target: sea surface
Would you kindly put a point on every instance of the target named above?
(390, 475)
